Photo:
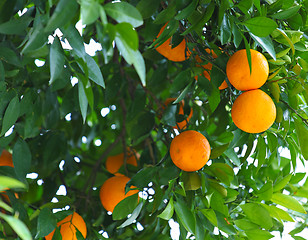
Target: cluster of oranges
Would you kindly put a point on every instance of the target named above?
(253, 111)
(113, 190)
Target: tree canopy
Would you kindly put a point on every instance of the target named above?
(81, 81)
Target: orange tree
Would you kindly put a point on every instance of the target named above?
(81, 81)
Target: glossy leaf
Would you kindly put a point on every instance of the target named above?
(288, 202)
(185, 215)
(8, 182)
(46, 223)
(56, 60)
(89, 11)
(19, 227)
(258, 215)
(125, 207)
(11, 115)
(63, 13)
(261, 26)
(168, 211)
(124, 12)
(21, 159)
(133, 217)
(302, 135)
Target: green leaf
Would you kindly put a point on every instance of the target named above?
(169, 115)
(36, 39)
(286, 37)
(125, 207)
(186, 12)
(83, 100)
(64, 12)
(8, 182)
(288, 202)
(89, 11)
(245, 6)
(21, 159)
(95, 73)
(218, 151)
(147, 7)
(258, 215)
(75, 40)
(132, 57)
(168, 211)
(18, 226)
(56, 60)
(261, 26)
(266, 191)
(225, 30)
(11, 115)
(9, 56)
(15, 26)
(302, 135)
(245, 224)
(278, 213)
(139, 64)
(185, 215)
(285, 14)
(218, 203)
(258, 234)
(46, 223)
(210, 215)
(127, 34)
(133, 217)
(222, 171)
(143, 126)
(124, 12)
(280, 183)
(261, 148)
(266, 43)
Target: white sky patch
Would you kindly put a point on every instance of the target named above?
(77, 159)
(98, 142)
(20, 13)
(61, 164)
(62, 190)
(39, 63)
(9, 132)
(32, 175)
(74, 81)
(84, 139)
(92, 47)
(105, 111)
(40, 182)
(68, 117)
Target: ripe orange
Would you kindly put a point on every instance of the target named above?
(182, 124)
(68, 227)
(114, 163)
(238, 71)
(113, 191)
(6, 159)
(253, 111)
(208, 67)
(190, 151)
(177, 54)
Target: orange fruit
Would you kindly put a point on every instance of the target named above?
(182, 124)
(114, 163)
(113, 191)
(6, 159)
(208, 67)
(177, 54)
(68, 227)
(238, 71)
(253, 111)
(190, 151)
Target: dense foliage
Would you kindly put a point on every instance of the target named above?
(63, 112)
